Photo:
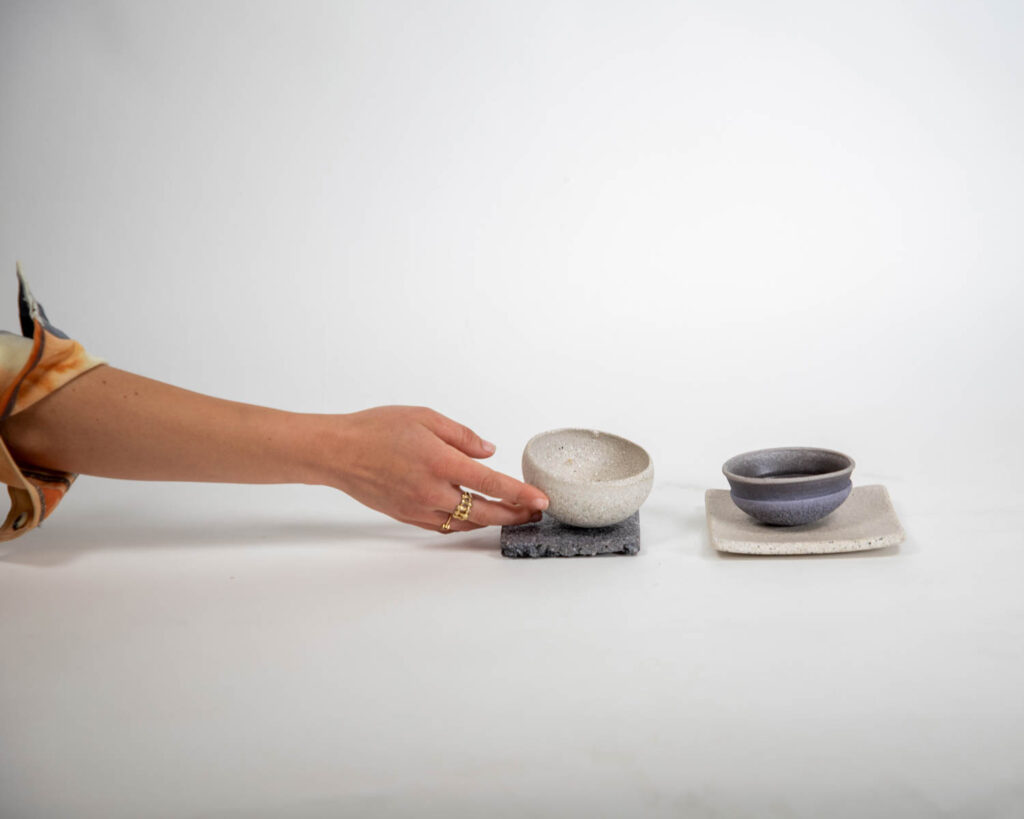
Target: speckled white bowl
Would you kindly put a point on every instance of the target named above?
(591, 478)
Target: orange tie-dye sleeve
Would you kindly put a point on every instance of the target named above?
(33, 365)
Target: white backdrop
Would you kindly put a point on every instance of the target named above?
(707, 226)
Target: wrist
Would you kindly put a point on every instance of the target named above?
(319, 446)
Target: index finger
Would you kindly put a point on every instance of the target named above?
(486, 481)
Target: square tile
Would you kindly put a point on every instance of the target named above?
(867, 520)
(550, 538)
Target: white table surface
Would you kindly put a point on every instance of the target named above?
(186, 651)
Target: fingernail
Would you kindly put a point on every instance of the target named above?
(535, 517)
(488, 446)
(540, 503)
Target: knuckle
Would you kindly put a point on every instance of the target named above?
(419, 498)
(440, 466)
(426, 414)
(434, 499)
(491, 485)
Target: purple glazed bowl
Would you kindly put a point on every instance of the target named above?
(789, 486)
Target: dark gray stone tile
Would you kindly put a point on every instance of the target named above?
(550, 538)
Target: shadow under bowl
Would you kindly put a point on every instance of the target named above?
(789, 486)
(591, 478)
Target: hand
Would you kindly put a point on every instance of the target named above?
(410, 462)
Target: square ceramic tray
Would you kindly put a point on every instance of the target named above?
(866, 520)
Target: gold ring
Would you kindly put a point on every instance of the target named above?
(461, 512)
(465, 504)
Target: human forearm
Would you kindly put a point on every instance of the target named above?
(115, 424)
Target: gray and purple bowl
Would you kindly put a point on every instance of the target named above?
(789, 486)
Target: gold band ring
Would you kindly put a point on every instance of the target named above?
(465, 504)
(461, 512)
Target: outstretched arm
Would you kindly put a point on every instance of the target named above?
(407, 462)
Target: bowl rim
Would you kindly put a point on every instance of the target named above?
(635, 477)
(732, 476)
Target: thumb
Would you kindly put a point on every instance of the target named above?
(461, 437)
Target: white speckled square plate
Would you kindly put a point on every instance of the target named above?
(866, 520)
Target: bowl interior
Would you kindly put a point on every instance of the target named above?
(587, 456)
(786, 463)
